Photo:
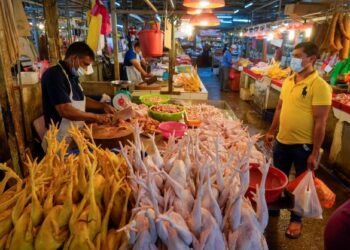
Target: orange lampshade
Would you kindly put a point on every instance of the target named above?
(205, 20)
(204, 4)
(192, 11)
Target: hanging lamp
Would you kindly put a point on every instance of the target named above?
(192, 11)
(204, 4)
(205, 20)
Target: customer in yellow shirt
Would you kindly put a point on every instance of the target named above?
(300, 119)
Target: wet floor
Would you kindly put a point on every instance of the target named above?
(312, 236)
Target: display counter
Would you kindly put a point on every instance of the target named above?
(201, 95)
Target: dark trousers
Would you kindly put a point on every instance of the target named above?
(285, 155)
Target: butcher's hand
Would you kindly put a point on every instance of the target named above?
(269, 137)
(312, 161)
(103, 118)
(109, 109)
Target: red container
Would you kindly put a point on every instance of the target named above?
(151, 42)
(235, 77)
(169, 128)
(336, 104)
(345, 108)
(276, 181)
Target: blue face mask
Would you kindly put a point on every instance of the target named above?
(296, 65)
(75, 72)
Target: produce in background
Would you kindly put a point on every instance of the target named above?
(191, 81)
(275, 72)
(244, 62)
(337, 36)
(70, 202)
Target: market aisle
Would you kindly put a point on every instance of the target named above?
(312, 237)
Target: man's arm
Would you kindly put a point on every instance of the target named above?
(138, 67)
(320, 114)
(66, 110)
(270, 135)
(93, 104)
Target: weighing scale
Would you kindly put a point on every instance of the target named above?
(122, 96)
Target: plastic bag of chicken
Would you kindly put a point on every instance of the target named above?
(307, 203)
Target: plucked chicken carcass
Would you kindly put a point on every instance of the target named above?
(195, 189)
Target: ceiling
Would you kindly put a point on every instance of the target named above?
(259, 11)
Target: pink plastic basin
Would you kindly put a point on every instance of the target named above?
(276, 181)
(169, 128)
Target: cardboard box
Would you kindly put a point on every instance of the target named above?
(302, 9)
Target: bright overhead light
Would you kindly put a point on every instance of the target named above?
(270, 36)
(118, 4)
(225, 17)
(236, 11)
(41, 26)
(203, 4)
(241, 34)
(158, 18)
(308, 32)
(291, 35)
(224, 21)
(238, 20)
(248, 5)
(137, 17)
(30, 23)
(203, 23)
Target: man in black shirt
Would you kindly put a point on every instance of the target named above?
(62, 95)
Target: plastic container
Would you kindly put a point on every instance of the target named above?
(164, 116)
(169, 128)
(276, 181)
(151, 42)
(146, 99)
(235, 80)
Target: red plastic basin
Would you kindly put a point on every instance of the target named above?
(276, 181)
(169, 128)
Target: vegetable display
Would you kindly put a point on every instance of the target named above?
(337, 37)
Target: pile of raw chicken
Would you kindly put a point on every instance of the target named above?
(74, 202)
(191, 195)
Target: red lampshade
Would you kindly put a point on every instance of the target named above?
(204, 4)
(205, 20)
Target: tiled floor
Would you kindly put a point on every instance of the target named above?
(312, 237)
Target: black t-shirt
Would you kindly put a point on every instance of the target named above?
(56, 89)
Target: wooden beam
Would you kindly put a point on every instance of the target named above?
(9, 107)
(51, 18)
(115, 40)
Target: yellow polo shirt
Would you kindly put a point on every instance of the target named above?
(296, 118)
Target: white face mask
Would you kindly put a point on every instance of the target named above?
(296, 65)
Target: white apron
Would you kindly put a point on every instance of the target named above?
(133, 74)
(65, 123)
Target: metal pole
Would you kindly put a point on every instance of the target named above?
(280, 10)
(115, 40)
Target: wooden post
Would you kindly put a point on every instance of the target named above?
(115, 40)
(9, 108)
(264, 50)
(51, 26)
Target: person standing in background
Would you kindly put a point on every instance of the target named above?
(300, 118)
(226, 66)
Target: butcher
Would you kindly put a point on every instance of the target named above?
(64, 102)
(300, 119)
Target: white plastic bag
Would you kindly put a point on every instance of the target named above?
(307, 203)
